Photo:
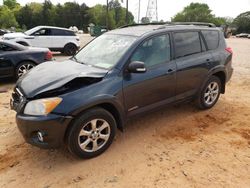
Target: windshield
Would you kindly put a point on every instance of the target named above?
(105, 51)
(31, 31)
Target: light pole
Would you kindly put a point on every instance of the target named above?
(126, 11)
(139, 11)
(107, 14)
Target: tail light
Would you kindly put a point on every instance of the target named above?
(48, 56)
(229, 50)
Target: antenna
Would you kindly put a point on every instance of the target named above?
(152, 11)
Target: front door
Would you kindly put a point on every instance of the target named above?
(42, 38)
(143, 91)
(6, 66)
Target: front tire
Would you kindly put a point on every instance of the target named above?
(92, 133)
(209, 94)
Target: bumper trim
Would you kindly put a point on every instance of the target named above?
(52, 126)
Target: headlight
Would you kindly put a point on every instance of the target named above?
(42, 106)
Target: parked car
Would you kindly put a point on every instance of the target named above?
(242, 35)
(3, 31)
(54, 38)
(121, 74)
(16, 59)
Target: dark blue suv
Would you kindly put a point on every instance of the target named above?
(125, 72)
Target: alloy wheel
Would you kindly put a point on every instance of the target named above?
(211, 93)
(24, 69)
(94, 135)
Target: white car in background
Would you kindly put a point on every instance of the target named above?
(54, 38)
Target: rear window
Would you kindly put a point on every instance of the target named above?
(59, 32)
(212, 39)
(187, 43)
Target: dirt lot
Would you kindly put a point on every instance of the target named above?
(178, 146)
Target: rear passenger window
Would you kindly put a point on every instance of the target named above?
(187, 43)
(212, 39)
(59, 32)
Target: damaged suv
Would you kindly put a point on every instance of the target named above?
(125, 72)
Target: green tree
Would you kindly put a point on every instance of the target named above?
(198, 12)
(47, 17)
(69, 14)
(24, 17)
(145, 20)
(119, 13)
(242, 22)
(7, 18)
(11, 4)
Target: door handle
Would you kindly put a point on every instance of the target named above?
(1, 58)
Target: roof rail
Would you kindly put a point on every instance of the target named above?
(192, 23)
(171, 24)
(142, 24)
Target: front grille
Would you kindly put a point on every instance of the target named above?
(18, 100)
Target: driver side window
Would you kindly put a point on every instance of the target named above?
(153, 51)
(42, 32)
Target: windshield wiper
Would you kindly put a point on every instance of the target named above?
(76, 60)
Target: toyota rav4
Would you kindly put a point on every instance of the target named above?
(125, 72)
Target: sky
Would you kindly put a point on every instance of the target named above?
(167, 9)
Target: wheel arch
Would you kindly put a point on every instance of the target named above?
(109, 106)
(218, 72)
(222, 76)
(24, 61)
(70, 43)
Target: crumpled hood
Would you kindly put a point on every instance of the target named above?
(14, 35)
(52, 75)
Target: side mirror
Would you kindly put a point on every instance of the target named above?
(137, 67)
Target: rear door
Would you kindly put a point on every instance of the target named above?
(62, 37)
(192, 60)
(6, 66)
(59, 38)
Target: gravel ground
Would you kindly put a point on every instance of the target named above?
(178, 146)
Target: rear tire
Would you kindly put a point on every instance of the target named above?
(209, 94)
(70, 49)
(92, 133)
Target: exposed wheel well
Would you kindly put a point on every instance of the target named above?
(221, 75)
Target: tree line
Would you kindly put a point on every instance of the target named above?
(80, 15)
(200, 12)
(62, 15)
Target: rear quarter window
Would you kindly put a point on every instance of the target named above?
(212, 39)
(187, 43)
